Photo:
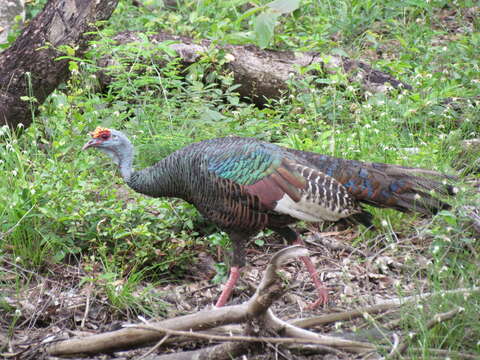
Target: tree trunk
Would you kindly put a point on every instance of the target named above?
(264, 74)
(28, 69)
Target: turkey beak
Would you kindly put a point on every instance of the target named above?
(92, 142)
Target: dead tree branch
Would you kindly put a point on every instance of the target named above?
(257, 308)
(342, 316)
(375, 309)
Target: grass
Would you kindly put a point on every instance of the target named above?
(59, 205)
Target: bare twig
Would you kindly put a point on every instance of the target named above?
(342, 316)
(211, 337)
(287, 329)
(408, 299)
(396, 343)
(154, 348)
(87, 307)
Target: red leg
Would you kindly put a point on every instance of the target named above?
(322, 290)
(229, 285)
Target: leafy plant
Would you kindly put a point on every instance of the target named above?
(264, 23)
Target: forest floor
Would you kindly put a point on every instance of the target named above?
(356, 274)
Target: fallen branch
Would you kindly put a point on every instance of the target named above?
(211, 337)
(286, 329)
(256, 309)
(342, 316)
(374, 309)
(414, 298)
(128, 338)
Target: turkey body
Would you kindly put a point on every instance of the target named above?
(244, 185)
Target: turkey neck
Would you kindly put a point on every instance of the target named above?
(125, 161)
(155, 181)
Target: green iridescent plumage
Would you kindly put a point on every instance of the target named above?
(248, 167)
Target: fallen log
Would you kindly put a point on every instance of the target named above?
(261, 74)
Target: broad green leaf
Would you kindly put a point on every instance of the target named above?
(264, 26)
(284, 6)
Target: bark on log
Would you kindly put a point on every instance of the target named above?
(29, 68)
(263, 74)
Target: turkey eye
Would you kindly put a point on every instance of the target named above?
(104, 136)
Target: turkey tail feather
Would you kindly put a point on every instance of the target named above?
(387, 186)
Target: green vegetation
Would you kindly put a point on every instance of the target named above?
(59, 205)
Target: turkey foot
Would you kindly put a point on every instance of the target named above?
(229, 285)
(322, 290)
